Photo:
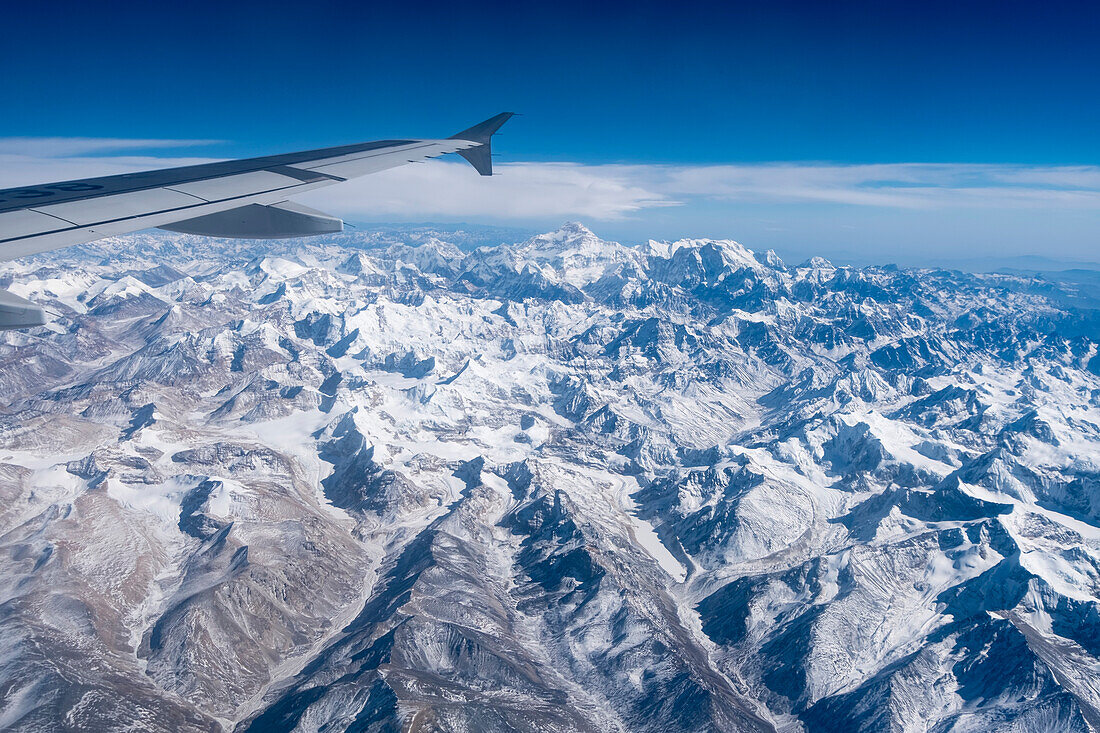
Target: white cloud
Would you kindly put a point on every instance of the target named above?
(27, 161)
(611, 192)
(521, 191)
(897, 185)
(554, 191)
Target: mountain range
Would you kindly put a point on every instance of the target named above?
(380, 482)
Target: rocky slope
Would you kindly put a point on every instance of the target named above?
(380, 482)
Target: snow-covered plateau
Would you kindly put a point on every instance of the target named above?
(385, 482)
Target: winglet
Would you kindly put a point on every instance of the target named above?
(481, 156)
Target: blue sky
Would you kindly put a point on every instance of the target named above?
(915, 132)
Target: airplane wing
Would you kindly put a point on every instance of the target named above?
(237, 198)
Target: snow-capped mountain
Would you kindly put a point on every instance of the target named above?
(381, 483)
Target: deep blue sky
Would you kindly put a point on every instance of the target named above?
(676, 82)
(682, 83)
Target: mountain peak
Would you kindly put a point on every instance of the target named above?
(718, 254)
(574, 253)
(573, 229)
(818, 263)
(570, 235)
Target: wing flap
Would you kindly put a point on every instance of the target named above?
(16, 312)
(256, 221)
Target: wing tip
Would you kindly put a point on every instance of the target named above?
(481, 132)
(480, 157)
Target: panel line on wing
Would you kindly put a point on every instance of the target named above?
(143, 215)
(225, 187)
(54, 216)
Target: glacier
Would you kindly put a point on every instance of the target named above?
(403, 479)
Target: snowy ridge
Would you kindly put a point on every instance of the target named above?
(385, 481)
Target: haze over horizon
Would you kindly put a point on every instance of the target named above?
(861, 132)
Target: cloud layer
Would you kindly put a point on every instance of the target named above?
(603, 192)
(862, 210)
(612, 192)
(26, 161)
(520, 191)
